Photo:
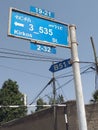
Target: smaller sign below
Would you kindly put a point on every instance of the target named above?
(60, 65)
(43, 48)
(42, 12)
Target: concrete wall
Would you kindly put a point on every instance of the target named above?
(72, 115)
(44, 120)
(91, 116)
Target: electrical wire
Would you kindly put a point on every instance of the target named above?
(14, 54)
(31, 56)
(83, 72)
(31, 59)
(61, 89)
(26, 72)
(60, 86)
(42, 91)
(70, 73)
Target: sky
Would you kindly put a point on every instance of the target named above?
(32, 75)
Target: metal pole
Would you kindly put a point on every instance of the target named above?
(95, 55)
(77, 80)
(54, 104)
(96, 63)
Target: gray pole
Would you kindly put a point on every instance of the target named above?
(77, 80)
(54, 103)
(96, 63)
(95, 55)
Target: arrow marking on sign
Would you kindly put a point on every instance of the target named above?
(19, 24)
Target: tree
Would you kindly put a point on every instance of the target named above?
(95, 97)
(59, 100)
(10, 95)
(40, 104)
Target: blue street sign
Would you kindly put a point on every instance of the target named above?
(42, 12)
(41, 30)
(40, 47)
(43, 48)
(60, 65)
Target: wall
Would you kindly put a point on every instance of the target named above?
(44, 119)
(91, 116)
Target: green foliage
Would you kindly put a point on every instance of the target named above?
(10, 95)
(95, 97)
(59, 100)
(40, 104)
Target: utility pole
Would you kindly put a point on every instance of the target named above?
(77, 80)
(96, 63)
(54, 104)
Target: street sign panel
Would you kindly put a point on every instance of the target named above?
(42, 12)
(40, 47)
(41, 30)
(43, 48)
(60, 65)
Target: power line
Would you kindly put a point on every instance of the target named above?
(27, 54)
(70, 73)
(42, 91)
(37, 57)
(83, 72)
(30, 73)
(60, 76)
(31, 59)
